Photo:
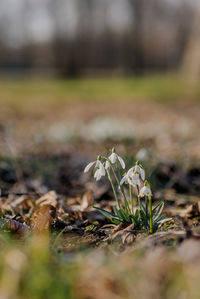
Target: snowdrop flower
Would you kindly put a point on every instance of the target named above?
(143, 154)
(100, 170)
(145, 191)
(113, 158)
(131, 178)
(137, 169)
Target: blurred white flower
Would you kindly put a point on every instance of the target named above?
(113, 158)
(100, 170)
(101, 129)
(145, 191)
(142, 154)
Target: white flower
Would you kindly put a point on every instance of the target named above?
(138, 170)
(145, 191)
(131, 178)
(113, 158)
(143, 154)
(87, 168)
(100, 170)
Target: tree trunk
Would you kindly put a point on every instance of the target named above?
(190, 67)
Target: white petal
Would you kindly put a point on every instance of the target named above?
(107, 165)
(131, 170)
(97, 163)
(113, 158)
(97, 175)
(87, 168)
(142, 173)
(134, 179)
(145, 191)
(149, 191)
(142, 192)
(136, 168)
(102, 169)
(132, 183)
(121, 161)
(123, 180)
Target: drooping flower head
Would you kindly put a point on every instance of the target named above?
(134, 175)
(131, 178)
(146, 190)
(137, 169)
(113, 158)
(100, 169)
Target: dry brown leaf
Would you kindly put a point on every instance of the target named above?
(193, 210)
(84, 203)
(86, 200)
(42, 218)
(17, 226)
(49, 198)
(125, 235)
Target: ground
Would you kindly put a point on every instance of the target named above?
(53, 242)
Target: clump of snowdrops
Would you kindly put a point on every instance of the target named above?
(133, 205)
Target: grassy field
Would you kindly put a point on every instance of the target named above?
(167, 87)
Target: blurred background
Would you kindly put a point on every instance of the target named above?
(78, 77)
(79, 38)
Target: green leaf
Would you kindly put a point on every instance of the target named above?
(158, 211)
(116, 221)
(143, 208)
(116, 212)
(137, 213)
(156, 207)
(123, 215)
(144, 219)
(161, 219)
(147, 209)
(136, 219)
(107, 214)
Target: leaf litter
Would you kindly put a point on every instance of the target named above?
(75, 215)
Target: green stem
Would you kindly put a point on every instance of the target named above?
(122, 190)
(138, 192)
(112, 170)
(121, 187)
(150, 216)
(131, 197)
(114, 191)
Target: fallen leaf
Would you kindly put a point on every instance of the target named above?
(17, 227)
(193, 210)
(42, 218)
(49, 198)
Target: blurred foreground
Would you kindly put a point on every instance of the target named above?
(32, 271)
